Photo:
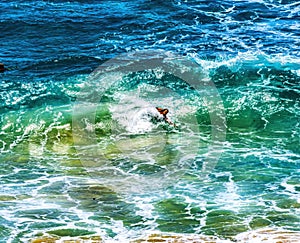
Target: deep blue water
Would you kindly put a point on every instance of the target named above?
(250, 51)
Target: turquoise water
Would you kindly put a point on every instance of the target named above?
(137, 181)
(114, 168)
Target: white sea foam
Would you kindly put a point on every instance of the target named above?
(230, 198)
(258, 58)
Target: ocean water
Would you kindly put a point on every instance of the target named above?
(83, 151)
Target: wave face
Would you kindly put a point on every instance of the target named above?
(139, 174)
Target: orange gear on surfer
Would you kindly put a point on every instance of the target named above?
(164, 112)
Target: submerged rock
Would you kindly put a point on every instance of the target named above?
(180, 238)
(45, 240)
(52, 239)
(259, 236)
(2, 69)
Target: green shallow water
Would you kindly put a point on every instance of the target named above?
(129, 183)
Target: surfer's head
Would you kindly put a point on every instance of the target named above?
(162, 111)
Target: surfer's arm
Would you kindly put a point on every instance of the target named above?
(170, 122)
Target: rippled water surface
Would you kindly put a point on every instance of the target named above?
(128, 173)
